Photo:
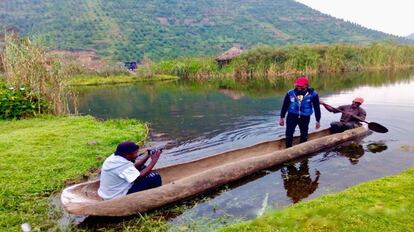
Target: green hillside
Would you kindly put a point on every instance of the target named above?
(165, 29)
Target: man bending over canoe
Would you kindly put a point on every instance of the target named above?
(122, 173)
(352, 115)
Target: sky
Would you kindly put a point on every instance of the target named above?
(391, 16)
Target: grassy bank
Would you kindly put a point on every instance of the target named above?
(84, 80)
(38, 155)
(265, 62)
(381, 205)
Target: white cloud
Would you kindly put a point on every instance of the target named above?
(394, 17)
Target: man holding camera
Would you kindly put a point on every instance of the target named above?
(124, 173)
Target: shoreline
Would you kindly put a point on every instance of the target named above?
(46, 153)
(380, 205)
(95, 80)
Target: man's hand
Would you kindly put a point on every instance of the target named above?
(155, 156)
(281, 121)
(318, 125)
(154, 159)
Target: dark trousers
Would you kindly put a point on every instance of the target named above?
(152, 180)
(338, 127)
(292, 121)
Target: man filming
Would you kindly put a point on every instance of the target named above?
(124, 172)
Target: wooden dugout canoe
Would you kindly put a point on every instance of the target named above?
(188, 179)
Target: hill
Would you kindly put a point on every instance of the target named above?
(165, 29)
(411, 36)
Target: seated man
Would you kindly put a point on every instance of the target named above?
(351, 115)
(122, 173)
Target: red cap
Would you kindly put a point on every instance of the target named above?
(359, 100)
(302, 81)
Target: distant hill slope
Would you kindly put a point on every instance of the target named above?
(162, 29)
(411, 36)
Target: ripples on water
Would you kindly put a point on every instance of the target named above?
(245, 131)
(210, 122)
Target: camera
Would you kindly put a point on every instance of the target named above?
(154, 150)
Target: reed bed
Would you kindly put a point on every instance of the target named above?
(268, 62)
(27, 66)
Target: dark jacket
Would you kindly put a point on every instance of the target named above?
(301, 103)
(361, 113)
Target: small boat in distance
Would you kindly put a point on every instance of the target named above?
(186, 180)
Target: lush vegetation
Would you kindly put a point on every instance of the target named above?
(17, 103)
(34, 81)
(381, 205)
(128, 29)
(39, 155)
(265, 62)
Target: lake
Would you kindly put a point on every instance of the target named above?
(197, 120)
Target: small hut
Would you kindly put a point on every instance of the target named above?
(227, 56)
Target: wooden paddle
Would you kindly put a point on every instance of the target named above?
(371, 125)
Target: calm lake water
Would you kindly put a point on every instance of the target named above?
(197, 121)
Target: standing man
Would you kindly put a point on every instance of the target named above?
(352, 115)
(300, 103)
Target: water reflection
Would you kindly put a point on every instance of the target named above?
(204, 121)
(353, 152)
(377, 147)
(233, 94)
(298, 181)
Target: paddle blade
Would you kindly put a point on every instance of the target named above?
(377, 127)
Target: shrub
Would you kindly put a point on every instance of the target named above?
(19, 103)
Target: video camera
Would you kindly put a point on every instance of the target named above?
(154, 150)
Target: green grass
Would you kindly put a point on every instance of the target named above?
(381, 205)
(38, 155)
(84, 80)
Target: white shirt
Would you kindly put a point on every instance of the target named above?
(117, 177)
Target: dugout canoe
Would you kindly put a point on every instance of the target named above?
(183, 181)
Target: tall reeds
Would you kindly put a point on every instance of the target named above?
(27, 65)
(266, 62)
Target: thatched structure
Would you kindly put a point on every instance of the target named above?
(227, 56)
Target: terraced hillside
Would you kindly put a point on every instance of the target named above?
(163, 29)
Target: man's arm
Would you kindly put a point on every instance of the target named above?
(148, 169)
(317, 108)
(285, 106)
(329, 108)
(362, 114)
(141, 160)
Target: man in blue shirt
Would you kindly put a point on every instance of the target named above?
(299, 103)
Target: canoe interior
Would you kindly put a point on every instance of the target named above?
(87, 193)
